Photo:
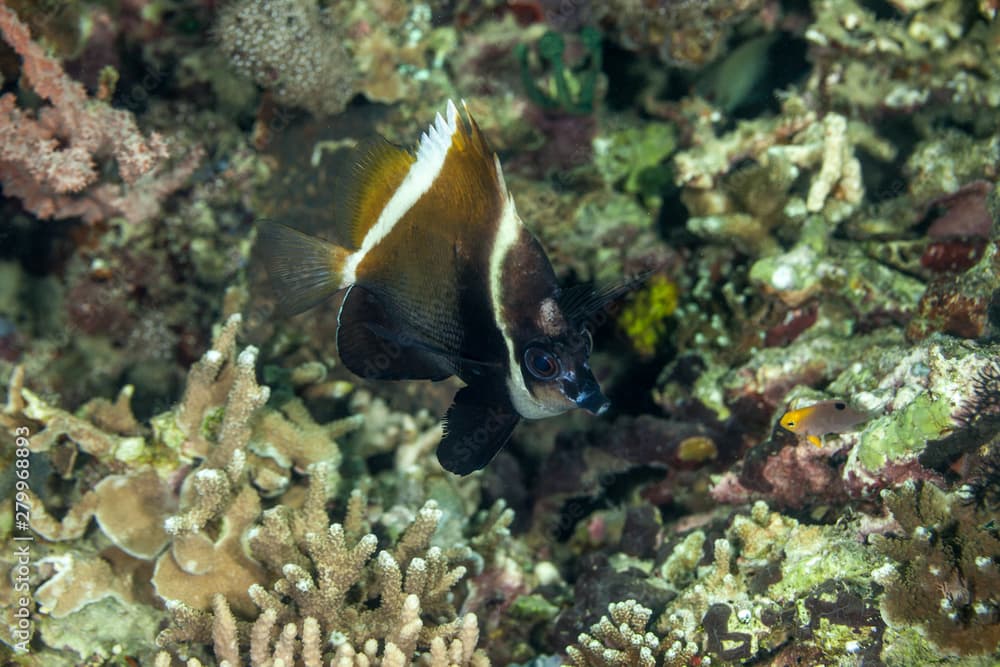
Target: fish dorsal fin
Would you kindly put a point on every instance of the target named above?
(453, 177)
(376, 175)
(468, 140)
(470, 166)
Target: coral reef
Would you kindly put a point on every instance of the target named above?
(745, 601)
(681, 34)
(807, 193)
(197, 536)
(747, 206)
(935, 43)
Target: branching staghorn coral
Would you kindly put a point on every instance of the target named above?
(619, 640)
(331, 602)
(221, 412)
(213, 381)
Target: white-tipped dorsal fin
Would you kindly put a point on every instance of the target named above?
(431, 154)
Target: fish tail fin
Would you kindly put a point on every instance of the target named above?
(304, 270)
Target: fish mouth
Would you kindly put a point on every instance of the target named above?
(591, 399)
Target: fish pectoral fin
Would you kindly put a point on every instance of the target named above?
(407, 340)
(367, 353)
(304, 270)
(476, 428)
(814, 439)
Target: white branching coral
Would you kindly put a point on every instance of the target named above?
(743, 186)
(336, 599)
(619, 640)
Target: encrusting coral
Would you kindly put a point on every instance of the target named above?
(766, 590)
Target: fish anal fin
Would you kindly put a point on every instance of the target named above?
(304, 270)
(369, 350)
(476, 428)
(379, 169)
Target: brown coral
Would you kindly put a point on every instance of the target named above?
(619, 640)
(947, 569)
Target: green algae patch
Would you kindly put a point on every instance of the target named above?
(903, 433)
(533, 608)
(94, 630)
(816, 554)
(644, 319)
(633, 157)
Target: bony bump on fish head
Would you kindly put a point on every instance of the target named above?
(441, 277)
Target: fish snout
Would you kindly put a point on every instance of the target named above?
(591, 398)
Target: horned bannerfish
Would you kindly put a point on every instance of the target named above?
(443, 278)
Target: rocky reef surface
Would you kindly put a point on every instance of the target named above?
(810, 187)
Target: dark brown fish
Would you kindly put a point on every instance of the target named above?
(442, 278)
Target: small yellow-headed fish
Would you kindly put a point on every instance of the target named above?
(442, 279)
(818, 419)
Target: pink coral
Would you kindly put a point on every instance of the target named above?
(48, 157)
(797, 476)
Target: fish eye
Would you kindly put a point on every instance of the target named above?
(541, 363)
